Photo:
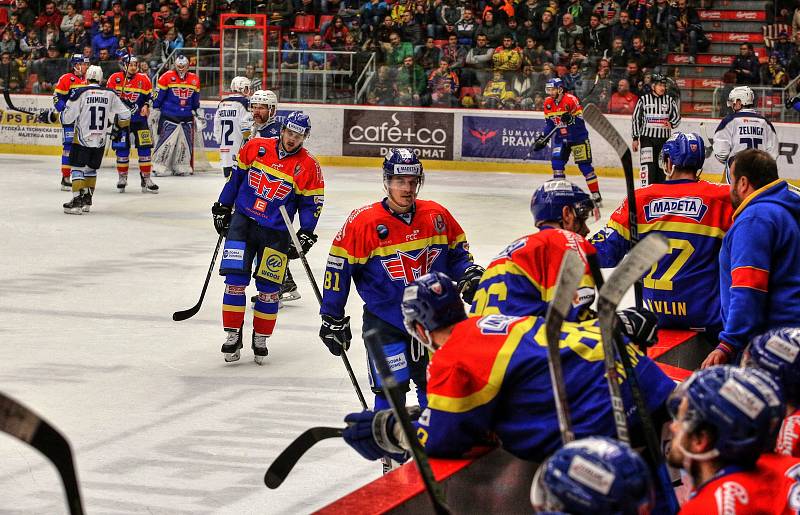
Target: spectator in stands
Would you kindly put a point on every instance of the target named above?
(479, 63)
(383, 91)
(443, 86)
(291, 57)
(107, 61)
(573, 82)
(642, 55)
(140, 21)
(624, 29)
(601, 94)
(70, 20)
(634, 77)
(580, 11)
(608, 12)
(685, 29)
(467, 28)
(54, 38)
(307, 7)
(454, 54)
(793, 67)
(398, 50)
(50, 15)
(783, 49)
(529, 12)
(651, 36)
(48, 72)
(200, 38)
(32, 47)
(565, 41)
(502, 10)
(660, 14)
(446, 13)
(8, 45)
(774, 73)
(617, 56)
(411, 83)
(518, 34)
(383, 34)
(148, 48)
(87, 52)
(373, 13)
(544, 33)
(172, 41)
(25, 15)
(746, 65)
(9, 71)
(105, 39)
(532, 55)
(507, 58)
(318, 56)
(428, 56)
(409, 28)
(498, 94)
(623, 100)
(17, 27)
(597, 38)
(166, 19)
(492, 29)
(356, 31)
(185, 22)
(119, 19)
(335, 33)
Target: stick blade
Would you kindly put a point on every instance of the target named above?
(186, 314)
(641, 257)
(286, 460)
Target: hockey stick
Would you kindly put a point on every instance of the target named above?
(192, 311)
(10, 104)
(598, 121)
(22, 423)
(313, 282)
(569, 277)
(396, 399)
(286, 460)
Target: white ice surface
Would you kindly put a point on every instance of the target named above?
(158, 422)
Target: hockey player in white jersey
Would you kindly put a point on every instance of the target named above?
(232, 121)
(264, 109)
(90, 109)
(743, 128)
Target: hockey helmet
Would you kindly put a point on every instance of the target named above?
(552, 86)
(658, 78)
(94, 74)
(685, 150)
(743, 405)
(594, 475)
(549, 199)
(181, 65)
(432, 301)
(126, 59)
(743, 94)
(241, 85)
(297, 121)
(778, 352)
(402, 161)
(76, 60)
(264, 97)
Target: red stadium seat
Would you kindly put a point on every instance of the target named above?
(324, 19)
(303, 23)
(3, 16)
(87, 18)
(32, 79)
(439, 43)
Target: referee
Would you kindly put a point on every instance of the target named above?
(655, 116)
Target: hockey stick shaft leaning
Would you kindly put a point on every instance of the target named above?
(192, 311)
(569, 278)
(22, 423)
(10, 104)
(299, 248)
(286, 460)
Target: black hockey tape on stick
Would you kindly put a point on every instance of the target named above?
(22, 423)
(192, 311)
(10, 104)
(313, 281)
(286, 460)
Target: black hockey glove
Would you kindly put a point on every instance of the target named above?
(48, 116)
(307, 240)
(222, 218)
(468, 283)
(540, 143)
(639, 325)
(567, 119)
(335, 334)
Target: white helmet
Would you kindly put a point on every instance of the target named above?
(94, 74)
(267, 98)
(742, 93)
(240, 85)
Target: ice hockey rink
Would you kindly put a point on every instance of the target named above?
(158, 422)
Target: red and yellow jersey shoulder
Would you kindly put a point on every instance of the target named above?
(139, 84)
(67, 83)
(171, 79)
(301, 170)
(568, 104)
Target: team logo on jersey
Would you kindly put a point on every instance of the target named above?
(496, 324)
(407, 267)
(506, 252)
(690, 207)
(439, 224)
(728, 495)
(267, 187)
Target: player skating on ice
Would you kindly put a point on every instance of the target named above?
(521, 279)
(135, 90)
(230, 122)
(742, 129)
(175, 109)
(595, 475)
(264, 109)
(694, 215)
(90, 110)
(270, 172)
(563, 113)
(381, 248)
(725, 421)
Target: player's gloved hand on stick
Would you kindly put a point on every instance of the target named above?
(540, 142)
(335, 334)
(47, 116)
(567, 119)
(469, 282)
(307, 240)
(371, 434)
(222, 218)
(639, 325)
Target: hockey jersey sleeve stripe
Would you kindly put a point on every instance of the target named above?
(682, 227)
(495, 380)
(750, 277)
(458, 240)
(619, 228)
(310, 193)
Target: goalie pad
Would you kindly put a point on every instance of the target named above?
(173, 152)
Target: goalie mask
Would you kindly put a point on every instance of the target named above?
(182, 65)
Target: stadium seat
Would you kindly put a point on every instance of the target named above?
(303, 23)
(32, 79)
(439, 43)
(87, 18)
(325, 18)
(3, 16)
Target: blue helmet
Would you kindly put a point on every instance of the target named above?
(433, 301)
(744, 405)
(125, 59)
(297, 121)
(686, 150)
(555, 82)
(403, 161)
(595, 475)
(778, 352)
(549, 199)
(77, 59)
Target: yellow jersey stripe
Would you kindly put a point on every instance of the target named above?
(390, 249)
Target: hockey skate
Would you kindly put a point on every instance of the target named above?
(122, 182)
(259, 346)
(74, 206)
(66, 185)
(148, 186)
(289, 290)
(232, 346)
(86, 198)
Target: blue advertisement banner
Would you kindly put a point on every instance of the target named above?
(502, 138)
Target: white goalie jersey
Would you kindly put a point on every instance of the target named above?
(741, 130)
(92, 111)
(232, 120)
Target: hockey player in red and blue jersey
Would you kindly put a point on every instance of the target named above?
(725, 420)
(694, 216)
(520, 281)
(175, 107)
(270, 172)
(564, 115)
(488, 380)
(382, 247)
(135, 90)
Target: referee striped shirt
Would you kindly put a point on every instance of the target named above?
(655, 116)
